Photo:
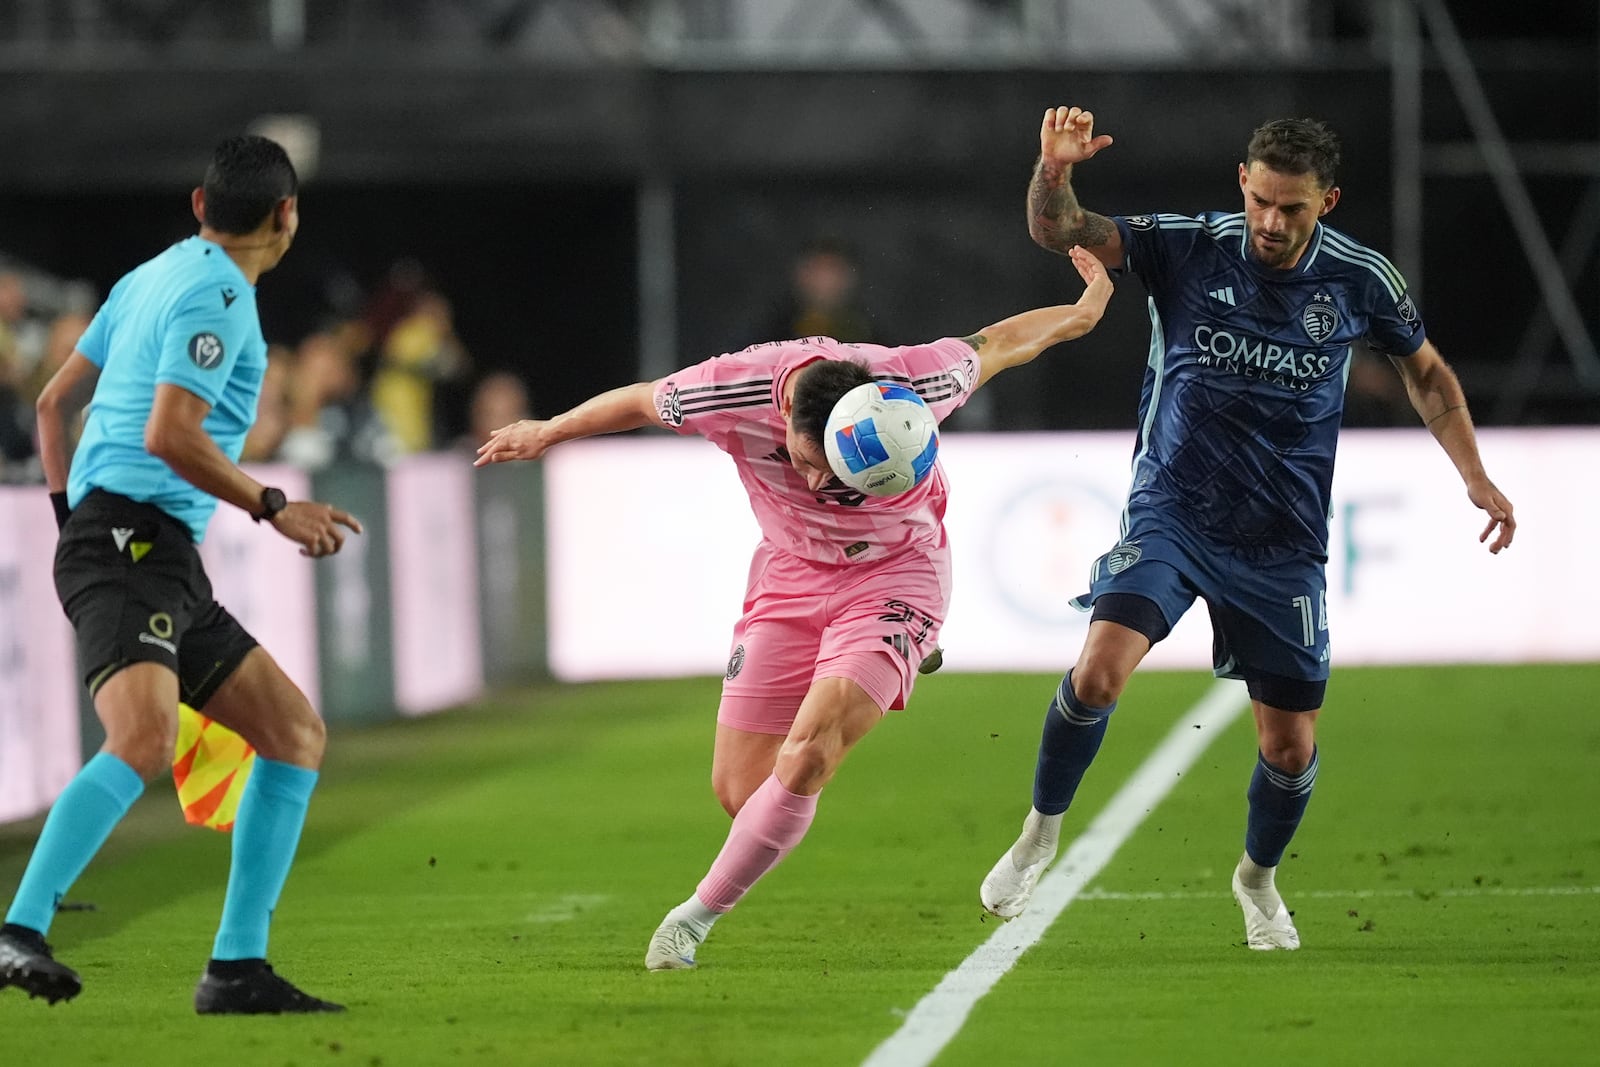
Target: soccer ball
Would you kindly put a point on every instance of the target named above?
(881, 439)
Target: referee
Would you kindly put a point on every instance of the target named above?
(171, 369)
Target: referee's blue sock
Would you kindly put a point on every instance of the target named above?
(1072, 735)
(265, 836)
(1277, 801)
(81, 819)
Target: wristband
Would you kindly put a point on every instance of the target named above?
(63, 511)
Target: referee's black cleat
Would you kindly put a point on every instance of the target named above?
(250, 987)
(26, 963)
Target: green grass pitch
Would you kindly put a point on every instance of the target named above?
(479, 888)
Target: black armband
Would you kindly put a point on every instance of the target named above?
(63, 511)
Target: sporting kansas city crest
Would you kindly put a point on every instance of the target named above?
(1122, 557)
(1320, 317)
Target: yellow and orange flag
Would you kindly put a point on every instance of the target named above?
(210, 766)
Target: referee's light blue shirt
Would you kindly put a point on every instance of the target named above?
(187, 317)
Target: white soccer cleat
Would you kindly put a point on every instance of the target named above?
(672, 946)
(1267, 924)
(1009, 885)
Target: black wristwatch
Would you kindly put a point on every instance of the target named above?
(272, 502)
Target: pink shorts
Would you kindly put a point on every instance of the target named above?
(872, 624)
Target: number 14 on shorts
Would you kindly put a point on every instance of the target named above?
(1310, 624)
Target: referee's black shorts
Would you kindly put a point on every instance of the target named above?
(132, 583)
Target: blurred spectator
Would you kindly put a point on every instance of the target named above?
(272, 409)
(822, 298)
(329, 418)
(1374, 395)
(22, 335)
(395, 298)
(499, 400)
(420, 350)
(16, 436)
(20, 345)
(61, 338)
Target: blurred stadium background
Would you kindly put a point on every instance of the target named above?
(511, 204)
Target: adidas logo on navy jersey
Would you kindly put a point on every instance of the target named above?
(1223, 295)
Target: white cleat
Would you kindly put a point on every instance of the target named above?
(1267, 924)
(672, 946)
(1009, 885)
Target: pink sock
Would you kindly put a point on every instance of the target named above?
(769, 825)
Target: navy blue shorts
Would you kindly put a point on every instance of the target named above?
(1269, 615)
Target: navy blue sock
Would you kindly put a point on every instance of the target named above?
(1277, 801)
(1072, 735)
(81, 819)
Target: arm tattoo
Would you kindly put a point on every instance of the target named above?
(1055, 218)
(976, 341)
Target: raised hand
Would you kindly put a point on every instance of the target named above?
(314, 527)
(1067, 136)
(1097, 282)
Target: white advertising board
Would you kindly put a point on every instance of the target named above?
(262, 579)
(433, 576)
(650, 539)
(39, 745)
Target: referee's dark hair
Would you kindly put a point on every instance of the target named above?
(247, 177)
(819, 388)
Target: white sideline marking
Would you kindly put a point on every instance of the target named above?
(938, 1017)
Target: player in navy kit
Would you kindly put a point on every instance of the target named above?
(1253, 317)
(174, 362)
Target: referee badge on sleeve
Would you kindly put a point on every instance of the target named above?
(205, 349)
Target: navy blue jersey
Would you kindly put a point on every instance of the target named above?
(1239, 414)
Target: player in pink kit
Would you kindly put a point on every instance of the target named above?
(846, 592)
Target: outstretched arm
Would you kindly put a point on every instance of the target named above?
(1436, 394)
(627, 408)
(1055, 218)
(1017, 340)
(175, 433)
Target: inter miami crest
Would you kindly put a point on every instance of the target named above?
(735, 663)
(1320, 318)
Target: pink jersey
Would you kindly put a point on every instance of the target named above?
(733, 401)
